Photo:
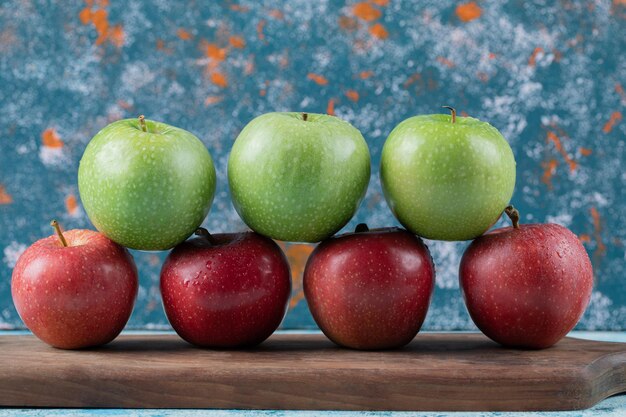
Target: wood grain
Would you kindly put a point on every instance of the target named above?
(437, 372)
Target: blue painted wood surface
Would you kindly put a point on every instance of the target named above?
(550, 75)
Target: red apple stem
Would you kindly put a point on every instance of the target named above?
(202, 232)
(361, 227)
(453, 111)
(305, 116)
(142, 122)
(57, 228)
(513, 215)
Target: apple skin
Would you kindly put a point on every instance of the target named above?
(227, 291)
(371, 289)
(146, 190)
(77, 296)
(526, 287)
(298, 180)
(447, 181)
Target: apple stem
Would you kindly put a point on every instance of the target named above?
(361, 227)
(305, 116)
(451, 111)
(202, 232)
(142, 122)
(513, 215)
(57, 227)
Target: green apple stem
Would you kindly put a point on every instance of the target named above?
(451, 111)
(305, 116)
(57, 227)
(142, 122)
(513, 215)
(202, 232)
(361, 227)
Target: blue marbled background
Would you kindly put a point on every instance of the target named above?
(550, 75)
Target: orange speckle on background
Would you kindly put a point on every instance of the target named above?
(239, 8)
(585, 151)
(352, 95)
(319, 79)
(99, 19)
(492, 55)
(237, 42)
(364, 75)
(620, 90)
(552, 137)
(445, 61)
(210, 100)
(584, 238)
(276, 14)
(597, 230)
(348, 23)
(5, 197)
(160, 46)
(615, 118)
(184, 34)
(85, 16)
(549, 169)
(215, 52)
(51, 139)
(330, 109)
(219, 79)
(378, 31)
(532, 61)
(116, 36)
(467, 12)
(412, 79)
(259, 29)
(71, 205)
(297, 255)
(125, 105)
(366, 11)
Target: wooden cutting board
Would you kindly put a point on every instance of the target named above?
(450, 371)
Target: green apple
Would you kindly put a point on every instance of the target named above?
(146, 185)
(447, 177)
(297, 176)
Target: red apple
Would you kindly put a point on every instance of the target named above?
(370, 289)
(528, 285)
(76, 289)
(225, 290)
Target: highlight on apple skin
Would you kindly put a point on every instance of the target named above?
(526, 286)
(447, 177)
(76, 289)
(370, 289)
(226, 290)
(298, 177)
(145, 184)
